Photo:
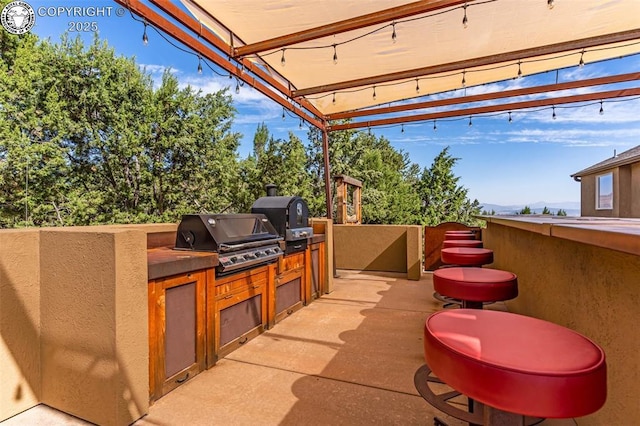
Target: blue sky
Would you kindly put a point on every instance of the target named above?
(523, 162)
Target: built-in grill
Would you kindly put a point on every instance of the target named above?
(289, 216)
(241, 240)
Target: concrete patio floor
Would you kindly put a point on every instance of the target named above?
(346, 359)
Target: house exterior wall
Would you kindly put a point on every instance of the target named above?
(626, 193)
(592, 290)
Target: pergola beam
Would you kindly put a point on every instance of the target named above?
(468, 64)
(202, 32)
(374, 18)
(153, 18)
(490, 109)
(488, 96)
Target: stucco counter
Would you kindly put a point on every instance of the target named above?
(164, 261)
(581, 273)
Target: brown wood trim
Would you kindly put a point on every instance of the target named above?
(489, 96)
(491, 108)
(374, 18)
(518, 55)
(196, 45)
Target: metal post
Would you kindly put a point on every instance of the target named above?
(327, 171)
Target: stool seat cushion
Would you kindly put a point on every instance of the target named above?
(462, 243)
(475, 284)
(466, 256)
(516, 363)
(459, 237)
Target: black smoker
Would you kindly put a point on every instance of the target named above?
(288, 215)
(242, 240)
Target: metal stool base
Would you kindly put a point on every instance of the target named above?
(422, 380)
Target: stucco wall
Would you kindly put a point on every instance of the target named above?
(20, 384)
(73, 320)
(391, 248)
(589, 289)
(626, 193)
(634, 190)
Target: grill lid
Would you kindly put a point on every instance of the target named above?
(224, 232)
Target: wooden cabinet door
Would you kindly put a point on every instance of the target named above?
(317, 266)
(176, 331)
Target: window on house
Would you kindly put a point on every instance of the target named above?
(604, 192)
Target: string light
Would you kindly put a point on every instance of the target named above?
(199, 64)
(554, 113)
(417, 86)
(402, 129)
(237, 87)
(283, 117)
(465, 21)
(581, 63)
(470, 123)
(283, 61)
(510, 119)
(434, 126)
(300, 126)
(335, 55)
(374, 93)
(519, 70)
(393, 34)
(334, 98)
(145, 37)
(601, 109)
(464, 80)
(550, 4)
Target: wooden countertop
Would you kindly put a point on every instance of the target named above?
(165, 261)
(619, 234)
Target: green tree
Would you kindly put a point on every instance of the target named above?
(545, 210)
(525, 210)
(443, 199)
(561, 212)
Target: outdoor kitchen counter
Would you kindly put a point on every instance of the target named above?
(165, 261)
(316, 238)
(611, 233)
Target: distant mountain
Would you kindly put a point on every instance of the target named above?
(571, 207)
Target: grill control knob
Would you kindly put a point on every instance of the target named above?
(233, 259)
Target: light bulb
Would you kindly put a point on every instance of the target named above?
(554, 113)
(465, 21)
(402, 129)
(283, 117)
(470, 123)
(283, 61)
(199, 65)
(581, 63)
(374, 93)
(601, 109)
(237, 87)
(510, 119)
(434, 126)
(464, 80)
(519, 70)
(335, 55)
(417, 86)
(393, 34)
(145, 38)
(334, 98)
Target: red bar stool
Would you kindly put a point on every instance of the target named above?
(466, 256)
(465, 236)
(462, 243)
(473, 287)
(519, 368)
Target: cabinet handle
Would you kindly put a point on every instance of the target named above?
(290, 311)
(243, 340)
(183, 380)
(256, 286)
(229, 296)
(189, 275)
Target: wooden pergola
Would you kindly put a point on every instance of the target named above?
(283, 49)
